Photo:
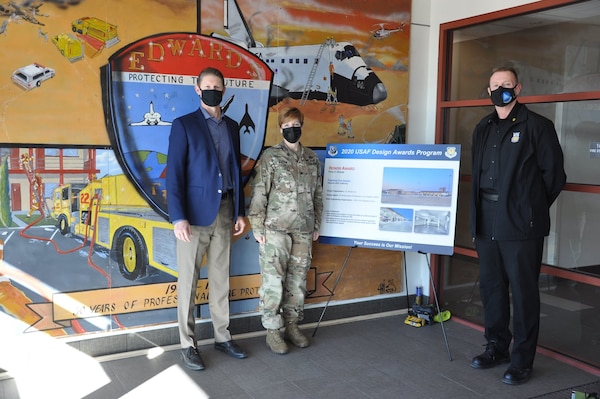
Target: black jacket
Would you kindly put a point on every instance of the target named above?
(531, 174)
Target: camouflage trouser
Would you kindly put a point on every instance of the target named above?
(284, 261)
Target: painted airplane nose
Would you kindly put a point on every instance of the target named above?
(379, 93)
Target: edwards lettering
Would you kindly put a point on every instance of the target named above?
(161, 52)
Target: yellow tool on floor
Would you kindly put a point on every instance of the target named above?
(414, 321)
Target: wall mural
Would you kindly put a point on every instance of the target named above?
(88, 92)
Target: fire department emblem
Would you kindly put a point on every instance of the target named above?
(149, 83)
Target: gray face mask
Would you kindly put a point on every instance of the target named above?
(212, 98)
(292, 134)
(503, 96)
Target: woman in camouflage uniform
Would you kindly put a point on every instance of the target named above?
(285, 213)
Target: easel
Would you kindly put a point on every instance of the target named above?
(333, 289)
(437, 304)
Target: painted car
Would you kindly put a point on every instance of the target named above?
(32, 75)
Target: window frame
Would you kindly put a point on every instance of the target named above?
(444, 106)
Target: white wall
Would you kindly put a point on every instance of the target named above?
(426, 18)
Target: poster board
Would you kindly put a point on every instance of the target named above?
(390, 196)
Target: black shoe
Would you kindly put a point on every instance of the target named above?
(192, 358)
(231, 348)
(516, 376)
(490, 358)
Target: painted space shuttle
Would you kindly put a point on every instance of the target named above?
(313, 71)
(151, 118)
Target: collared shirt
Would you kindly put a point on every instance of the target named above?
(492, 156)
(489, 164)
(220, 135)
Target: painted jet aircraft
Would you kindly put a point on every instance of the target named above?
(27, 13)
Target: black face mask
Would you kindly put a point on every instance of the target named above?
(212, 98)
(503, 96)
(292, 134)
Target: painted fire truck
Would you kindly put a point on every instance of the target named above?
(96, 32)
(110, 213)
(69, 46)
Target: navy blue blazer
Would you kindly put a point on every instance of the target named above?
(194, 184)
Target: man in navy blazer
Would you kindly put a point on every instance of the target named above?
(205, 200)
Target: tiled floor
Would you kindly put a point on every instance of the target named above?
(378, 357)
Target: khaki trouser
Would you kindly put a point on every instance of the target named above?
(215, 242)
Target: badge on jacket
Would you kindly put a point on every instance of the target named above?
(515, 137)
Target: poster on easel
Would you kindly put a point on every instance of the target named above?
(397, 197)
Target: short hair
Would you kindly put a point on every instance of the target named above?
(210, 71)
(289, 114)
(506, 69)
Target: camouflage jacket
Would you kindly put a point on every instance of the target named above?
(287, 191)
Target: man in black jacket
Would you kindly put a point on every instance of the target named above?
(517, 174)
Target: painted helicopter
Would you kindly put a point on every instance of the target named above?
(308, 71)
(382, 31)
